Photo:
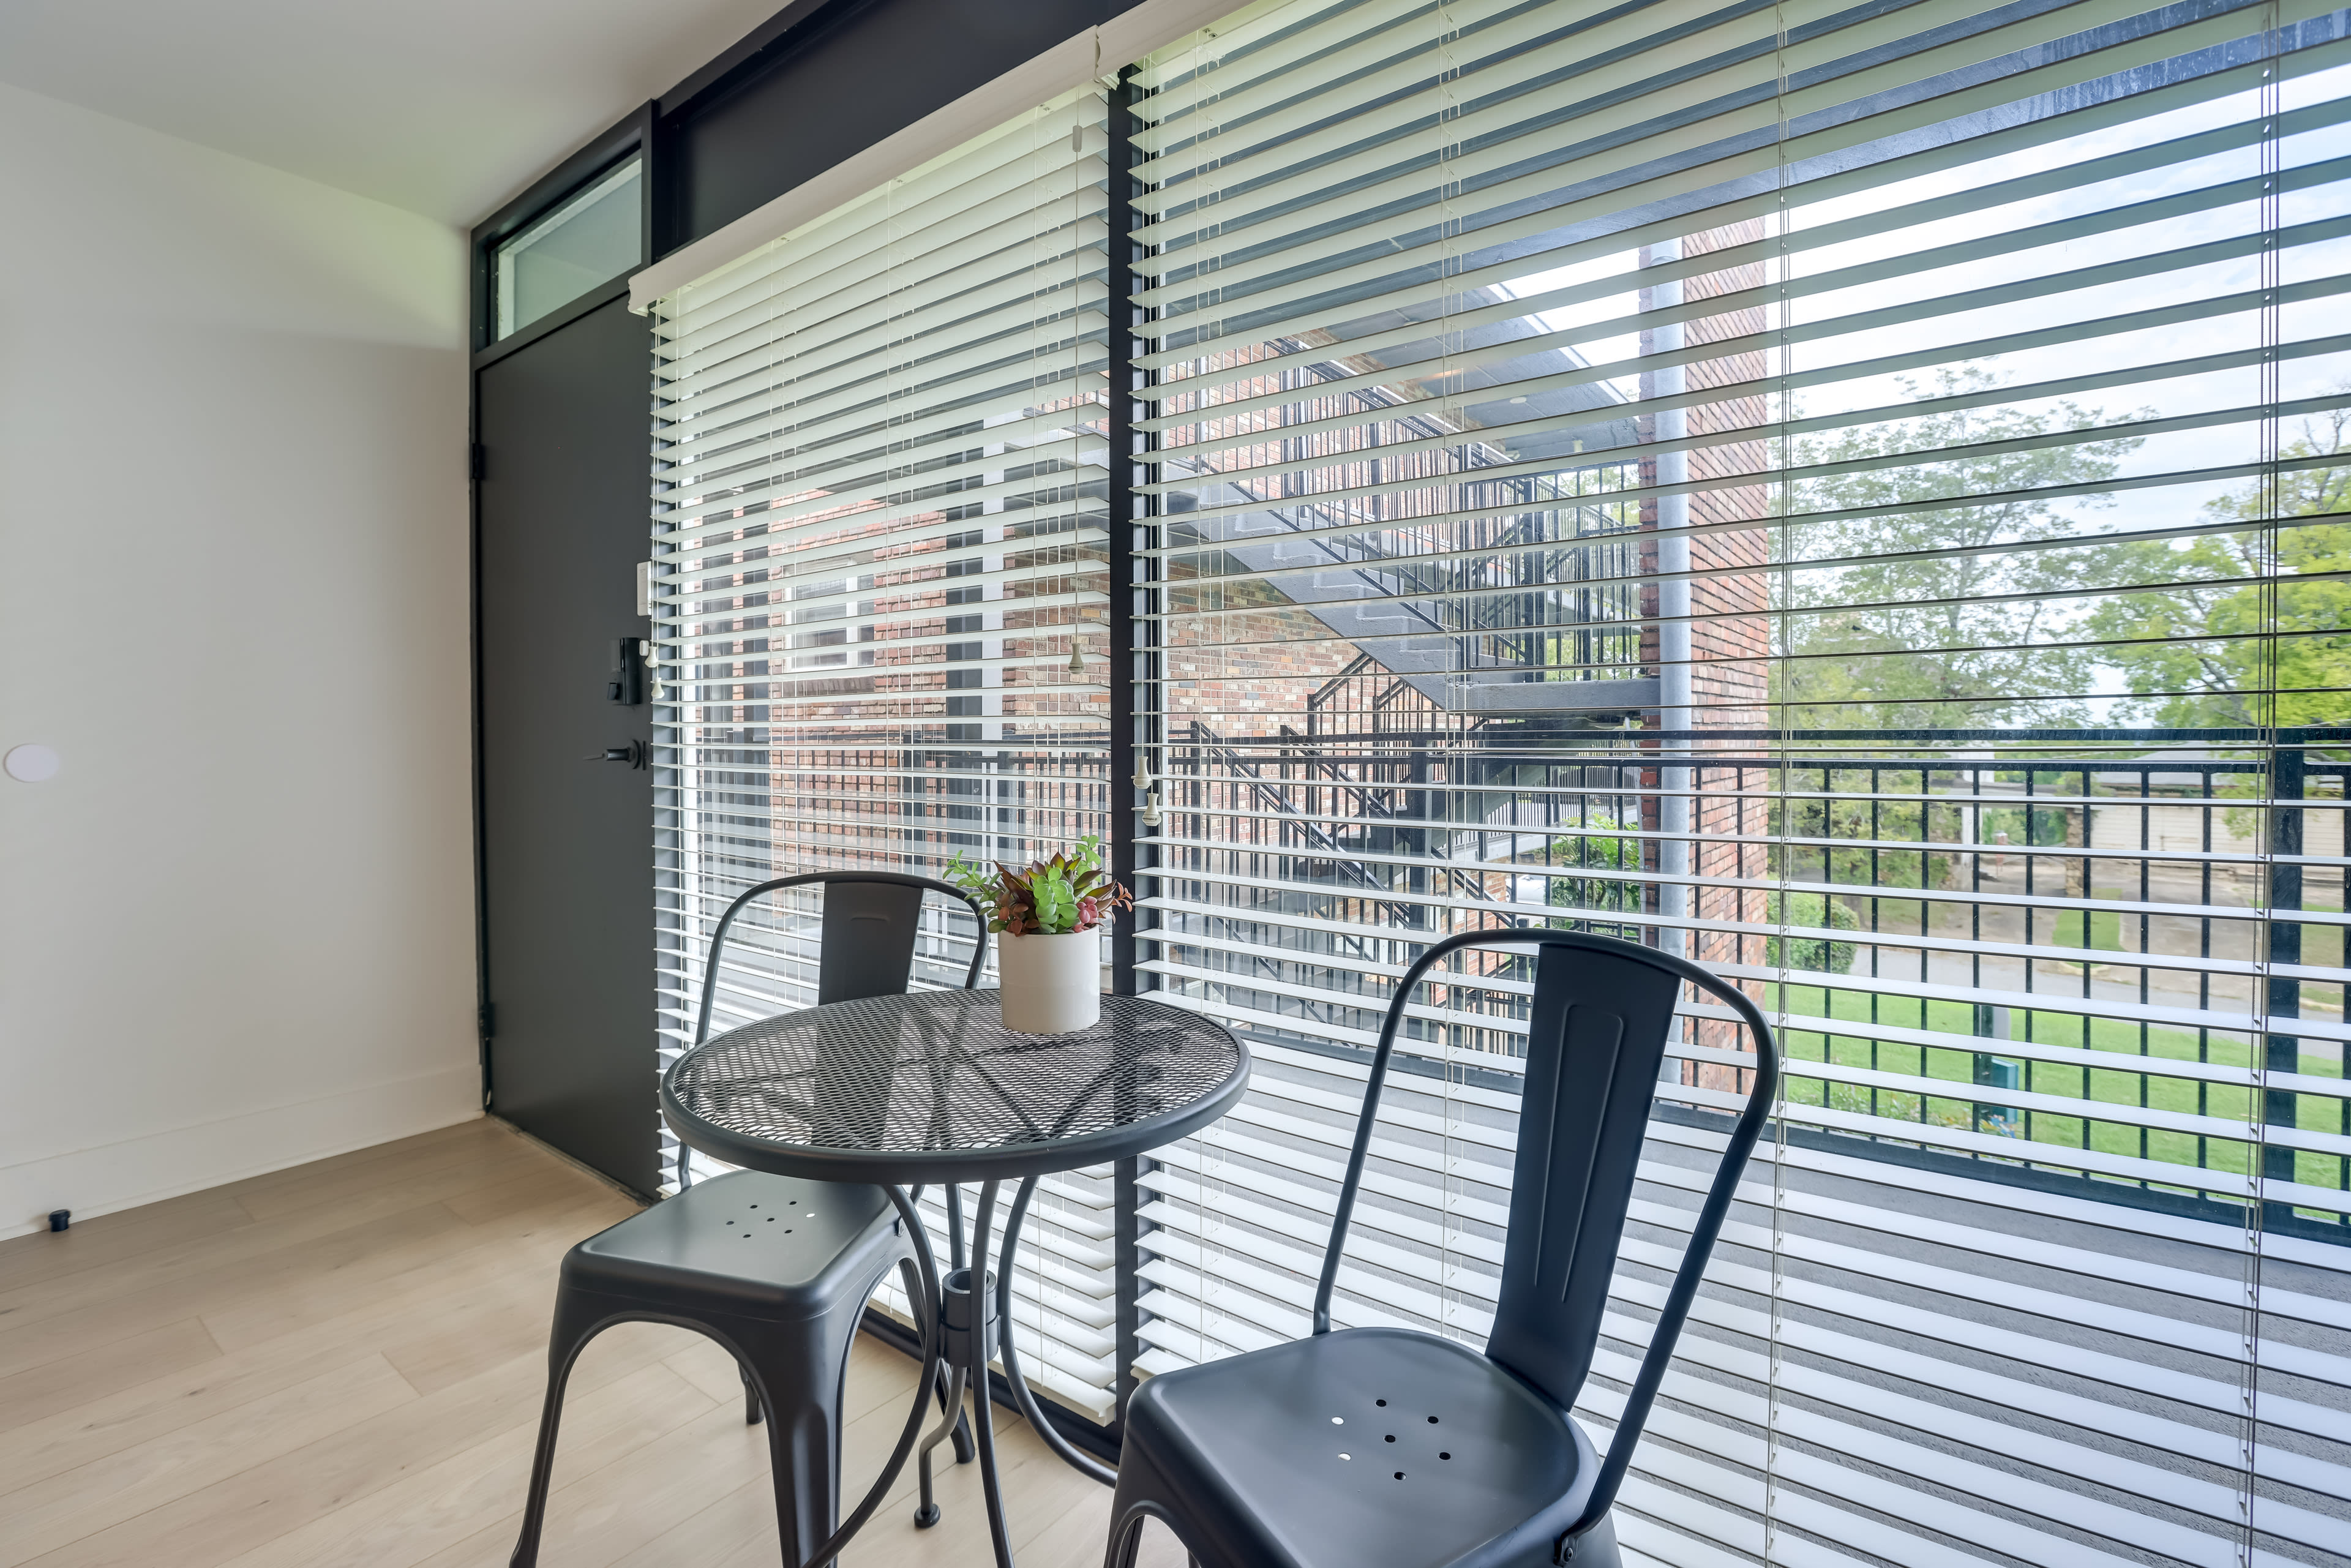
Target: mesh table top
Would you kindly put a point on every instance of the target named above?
(931, 1086)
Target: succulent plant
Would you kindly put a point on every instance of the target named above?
(1069, 892)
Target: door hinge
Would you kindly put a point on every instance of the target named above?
(489, 1020)
(477, 461)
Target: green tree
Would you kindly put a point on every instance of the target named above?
(2210, 649)
(1962, 639)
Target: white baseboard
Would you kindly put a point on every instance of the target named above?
(107, 1177)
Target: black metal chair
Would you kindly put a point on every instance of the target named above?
(1385, 1447)
(777, 1271)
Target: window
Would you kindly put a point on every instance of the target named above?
(879, 533)
(1856, 495)
(592, 239)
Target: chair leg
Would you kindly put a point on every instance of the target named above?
(1142, 1494)
(575, 1325)
(807, 1501)
(1126, 1540)
(797, 1371)
(750, 1399)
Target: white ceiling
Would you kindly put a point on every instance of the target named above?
(445, 107)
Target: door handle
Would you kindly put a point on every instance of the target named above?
(626, 683)
(636, 754)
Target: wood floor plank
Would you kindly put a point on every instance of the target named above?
(480, 1489)
(745, 1518)
(262, 1502)
(194, 1258)
(360, 1251)
(1039, 1491)
(172, 1464)
(311, 1293)
(527, 1188)
(73, 1378)
(707, 1365)
(367, 1195)
(353, 1175)
(1080, 1539)
(506, 1315)
(599, 1517)
(729, 1513)
(335, 1178)
(95, 1428)
(429, 1329)
(879, 1378)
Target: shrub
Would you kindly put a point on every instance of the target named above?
(1813, 953)
(1598, 848)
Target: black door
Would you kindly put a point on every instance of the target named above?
(566, 836)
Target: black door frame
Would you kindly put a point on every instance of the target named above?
(565, 423)
(625, 140)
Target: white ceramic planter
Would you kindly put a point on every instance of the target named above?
(1051, 984)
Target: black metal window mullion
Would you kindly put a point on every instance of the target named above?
(1132, 687)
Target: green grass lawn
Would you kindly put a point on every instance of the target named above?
(2122, 1086)
(2105, 930)
(2323, 944)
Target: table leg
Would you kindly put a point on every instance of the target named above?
(975, 1318)
(926, 1513)
(1084, 1463)
(983, 1422)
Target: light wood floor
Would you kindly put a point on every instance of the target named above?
(342, 1365)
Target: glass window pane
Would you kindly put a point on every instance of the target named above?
(881, 539)
(591, 237)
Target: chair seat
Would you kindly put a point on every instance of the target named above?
(762, 1245)
(1363, 1448)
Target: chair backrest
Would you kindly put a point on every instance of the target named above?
(1596, 1039)
(867, 949)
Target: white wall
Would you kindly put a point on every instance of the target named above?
(236, 931)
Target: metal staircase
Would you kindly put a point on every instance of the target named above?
(1490, 634)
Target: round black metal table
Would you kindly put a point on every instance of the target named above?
(904, 1091)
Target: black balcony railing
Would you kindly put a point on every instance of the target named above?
(2116, 954)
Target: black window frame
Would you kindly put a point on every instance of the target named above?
(629, 137)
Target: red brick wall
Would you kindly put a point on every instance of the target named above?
(1731, 636)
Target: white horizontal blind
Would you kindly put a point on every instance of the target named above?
(878, 549)
(1852, 495)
